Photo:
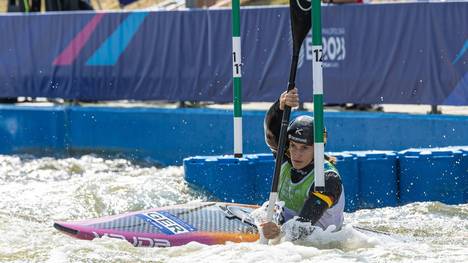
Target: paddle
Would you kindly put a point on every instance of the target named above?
(300, 26)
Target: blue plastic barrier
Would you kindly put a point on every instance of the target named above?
(198, 171)
(464, 170)
(262, 168)
(241, 180)
(370, 179)
(347, 166)
(228, 178)
(432, 175)
(161, 135)
(464, 150)
(377, 179)
(249, 180)
(34, 130)
(233, 180)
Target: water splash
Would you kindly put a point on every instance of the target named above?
(37, 191)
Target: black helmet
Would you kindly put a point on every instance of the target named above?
(301, 130)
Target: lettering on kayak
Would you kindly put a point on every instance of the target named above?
(138, 241)
(167, 223)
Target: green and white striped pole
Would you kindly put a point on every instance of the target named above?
(318, 95)
(236, 77)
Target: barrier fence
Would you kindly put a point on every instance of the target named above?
(384, 53)
(371, 179)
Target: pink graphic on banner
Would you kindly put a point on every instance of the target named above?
(73, 49)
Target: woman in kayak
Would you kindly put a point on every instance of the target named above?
(296, 182)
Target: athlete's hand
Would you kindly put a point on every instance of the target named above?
(270, 230)
(290, 99)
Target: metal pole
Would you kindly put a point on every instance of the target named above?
(318, 95)
(435, 110)
(236, 77)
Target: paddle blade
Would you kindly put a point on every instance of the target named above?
(300, 22)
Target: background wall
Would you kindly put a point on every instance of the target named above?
(167, 136)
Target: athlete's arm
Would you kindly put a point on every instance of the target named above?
(272, 126)
(272, 123)
(317, 203)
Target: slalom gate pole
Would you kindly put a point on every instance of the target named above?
(236, 77)
(317, 82)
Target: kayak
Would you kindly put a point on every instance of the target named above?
(208, 223)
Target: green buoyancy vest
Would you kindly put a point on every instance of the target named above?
(294, 194)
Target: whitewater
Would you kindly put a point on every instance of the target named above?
(36, 191)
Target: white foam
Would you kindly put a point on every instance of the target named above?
(37, 191)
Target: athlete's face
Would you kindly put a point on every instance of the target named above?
(301, 154)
